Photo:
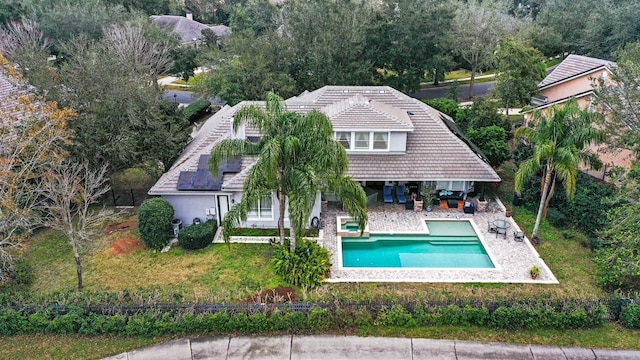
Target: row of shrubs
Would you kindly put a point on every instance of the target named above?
(77, 320)
(154, 224)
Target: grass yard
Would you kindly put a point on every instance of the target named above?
(220, 272)
(70, 346)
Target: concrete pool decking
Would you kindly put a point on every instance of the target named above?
(512, 259)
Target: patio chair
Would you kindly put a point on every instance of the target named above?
(491, 226)
(400, 190)
(501, 231)
(386, 194)
(518, 235)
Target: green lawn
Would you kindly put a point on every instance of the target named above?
(219, 273)
(70, 346)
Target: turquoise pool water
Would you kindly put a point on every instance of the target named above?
(350, 226)
(449, 244)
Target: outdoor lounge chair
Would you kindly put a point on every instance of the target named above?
(491, 227)
(518, 235)
(400, 190)
(501, 231)
(386, 193)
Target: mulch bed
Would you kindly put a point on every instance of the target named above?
(125, 245)
(271, 296)
(127, 225)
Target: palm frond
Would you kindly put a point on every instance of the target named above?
(227, 149)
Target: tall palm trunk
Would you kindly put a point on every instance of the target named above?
(543, 196)
(549, 196)
(282, 204)
(292, 240)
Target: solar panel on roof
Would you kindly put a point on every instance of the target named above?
(231, 166)
(185, 180)
(203, 163)
(198, 180)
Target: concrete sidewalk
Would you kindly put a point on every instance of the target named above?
(326, 347)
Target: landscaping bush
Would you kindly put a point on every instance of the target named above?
(196, 109)
(630, 316)
(154, 222)
(447, 106)
(307, 266)
(556, 217)
(198, 236)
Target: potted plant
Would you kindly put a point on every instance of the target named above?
(428, 196)
(508, 211)
(534, 272)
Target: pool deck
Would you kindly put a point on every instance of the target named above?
(512, 259)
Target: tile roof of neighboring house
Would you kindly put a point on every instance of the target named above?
(433, 152)
(190, 31)
(12, 89)
(572, 66)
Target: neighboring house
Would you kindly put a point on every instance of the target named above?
(11, 91)
(189, 30)
(575, 77)
(391, 139)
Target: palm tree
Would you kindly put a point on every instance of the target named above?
(297, 157)
(559, 138)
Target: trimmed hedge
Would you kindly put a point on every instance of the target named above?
(198, 236)
(154, 222)
(295, 318)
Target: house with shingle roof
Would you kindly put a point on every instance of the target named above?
(390, 138)
(576, 77)
(189, 30)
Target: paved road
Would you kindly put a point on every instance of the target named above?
(179, 96)
(479, 89)
(187, 97)
(326, 347)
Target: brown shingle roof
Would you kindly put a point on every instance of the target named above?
(574, 65)
(433, 152)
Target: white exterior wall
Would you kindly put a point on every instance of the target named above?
(398, 142)
(273, 221)
(190, 206)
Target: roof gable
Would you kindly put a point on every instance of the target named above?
(360, 112)
(573, 66)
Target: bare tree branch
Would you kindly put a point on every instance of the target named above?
(70, 190)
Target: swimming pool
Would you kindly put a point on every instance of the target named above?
(447, 244)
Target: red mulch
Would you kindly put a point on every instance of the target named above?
(127, 225)
(278, 295)
(125, 245)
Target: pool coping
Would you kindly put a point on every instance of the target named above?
(425, 232)
(512, 260)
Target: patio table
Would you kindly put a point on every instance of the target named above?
(502, 224)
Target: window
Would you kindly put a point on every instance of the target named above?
(443, 185)
(457, 185)
(380, 141)
(344, 138)
(362, 141)
(261, 209)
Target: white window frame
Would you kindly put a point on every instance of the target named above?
(356, 134)
(258, 215)
(350, 139)
(370, 141)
